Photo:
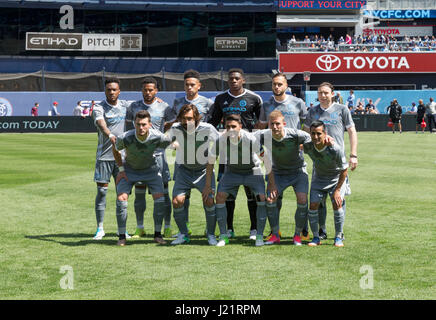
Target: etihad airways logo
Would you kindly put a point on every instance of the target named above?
(330, 62)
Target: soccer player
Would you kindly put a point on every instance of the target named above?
(329, 176)
(193, 169)
(247, 104)
(282, 147)
(395, 111)
(162, 117)
(192, 86)
(238, 149)
(140, 165)
(294, 111)
(109, 117)
(337, 119)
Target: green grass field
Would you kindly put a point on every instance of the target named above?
(47, 222)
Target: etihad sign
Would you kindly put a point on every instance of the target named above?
(83, 41)
(358, 62)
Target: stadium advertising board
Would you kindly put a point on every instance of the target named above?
(327, 62)
(230, 43)
(323, 4)
(399, 31)
(401, 14)
(83, 41)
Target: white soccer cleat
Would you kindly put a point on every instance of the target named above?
(211, 239)
(99, 234)
(127, 235)
(253, 234)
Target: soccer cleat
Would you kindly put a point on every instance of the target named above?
(305, 235)
(138, 233)
(315, 242)
(297, 240)
(259, 240)
(270, 235)
(253, 234)
(188, 225)
(127, 235)
(168, 233)
(99, 234)
(211, 239)
(231, 234)
(322, 234)
(181, 239)
(159, 240)
(273, 240)
(224, 239)
(339, 242)
(121, 242)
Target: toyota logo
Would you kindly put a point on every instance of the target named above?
(328, 62)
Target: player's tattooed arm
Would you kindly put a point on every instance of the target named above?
(103, 128)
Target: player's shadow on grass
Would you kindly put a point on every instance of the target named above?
(87, 239)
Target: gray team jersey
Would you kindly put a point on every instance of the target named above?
(287, 158)
(114, 116)
(202, 103)
(194, 149)
(337, 119)
(160, 113)
(139, 154)
(328, 162)
(292, 108)
(241, 158)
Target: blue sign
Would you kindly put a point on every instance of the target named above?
(401, 14)
(381, 98)
(323, 4)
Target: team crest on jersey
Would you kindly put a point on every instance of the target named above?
(243, 103)
(334, 115)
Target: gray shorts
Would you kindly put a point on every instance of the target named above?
(321, 187)
(150, 177)
(230, 182)
(163, 166)
(186, 179)
(104, 170)
(299, 181)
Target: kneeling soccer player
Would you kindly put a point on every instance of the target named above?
(329, 175)
(140, 166)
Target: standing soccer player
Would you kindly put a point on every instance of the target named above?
(282, 148)
(109, 117)
(329, 177)
(247, 104)
(193, 169)
(238, 149)
(161, 118)
(294, 111)
(192, 86)
(140, 166)
(337, 119)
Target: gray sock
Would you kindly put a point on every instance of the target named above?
(221, 217)
(260, 217)
(210, 219)
(339, 222)
(167, 208)
(300, 217)
(158, 213)
(140, 206)
(100, 205)
(179, 217)
(272, 213)
(313, 220)
(322, 215)
(121, 216)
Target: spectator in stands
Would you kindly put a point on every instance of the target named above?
(369, 106)
(395, 111)
(360, 109)
(420, 115)
(348, 39)
(413, 109)
(92, 107)
(374, 49)
(431, 114)
(338, 98)
(351, 99)
(85, 112)
(293, 40)
(77, 111)
(34, 111)
(54, 110)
